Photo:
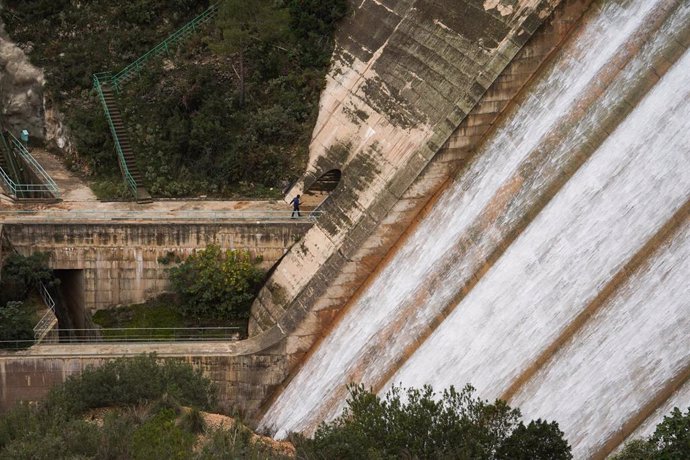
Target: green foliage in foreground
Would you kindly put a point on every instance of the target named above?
(126, 382)
(16, 325)
(213, 284)
(670, 441)
(417, 424)
(138, 414)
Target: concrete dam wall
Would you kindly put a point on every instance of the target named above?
(551, 271)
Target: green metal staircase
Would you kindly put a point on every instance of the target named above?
(107, 86)
(123, 148)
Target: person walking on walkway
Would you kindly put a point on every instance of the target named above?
(295, 207)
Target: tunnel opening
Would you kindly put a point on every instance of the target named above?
(70, 305)
(317, 193)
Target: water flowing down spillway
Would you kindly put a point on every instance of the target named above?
(566, 233)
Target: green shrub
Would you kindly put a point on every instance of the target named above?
(670, 441)
(160, 437)
(417, 424)
(213, 284)
(16, 326)
(193, 422)
(21, 274)
(153, 427)
(131, 381)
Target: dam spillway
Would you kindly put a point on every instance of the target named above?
(552, 270)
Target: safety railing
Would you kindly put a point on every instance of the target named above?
(151, 334)
(164, 47)
(8, 184)
(44, 325)
(46, 182)
(98, 80)
(259, 215)
(44, 189)
(136, 335)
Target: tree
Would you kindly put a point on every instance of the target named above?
(670, 441)
(539, 439)
(21, 274)
(213, 284)
(415, 423)
(16, 327)
(313, 23)
(244, 23)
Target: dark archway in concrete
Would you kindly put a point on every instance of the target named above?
(317, 192)
(70, 304)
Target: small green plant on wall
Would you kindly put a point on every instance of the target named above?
(217, 284)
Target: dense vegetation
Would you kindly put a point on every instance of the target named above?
(20, 275)
(143, 418)
(417, 424)
(141, 408)
(217, 285)
(670, 440)
(230, 112)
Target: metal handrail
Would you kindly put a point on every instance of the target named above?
(47, 181)
(11, 163)
(85, 215)
(97, 84)
(44, 325)
(149, 334)
(45, 295)
(163, 47)
(9, 185)
(19, 190)
(48, 319)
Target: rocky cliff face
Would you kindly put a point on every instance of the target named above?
(21, 90)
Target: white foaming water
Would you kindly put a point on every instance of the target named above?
(609, 209)
(628, 350)
(372, 334)
(680, 399)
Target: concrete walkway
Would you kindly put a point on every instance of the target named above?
(80, 204)
(73, 189)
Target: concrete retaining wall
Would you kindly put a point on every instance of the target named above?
(125, 263)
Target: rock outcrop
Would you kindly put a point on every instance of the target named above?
(21, 89)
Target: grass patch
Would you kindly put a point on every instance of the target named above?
(161, 319)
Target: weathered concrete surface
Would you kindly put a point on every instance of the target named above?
(244, 380)
(626, 79)
(340, 275)
(245, 372)
(457, 151)
(392, 100)
(392, 163)
(124, 263)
